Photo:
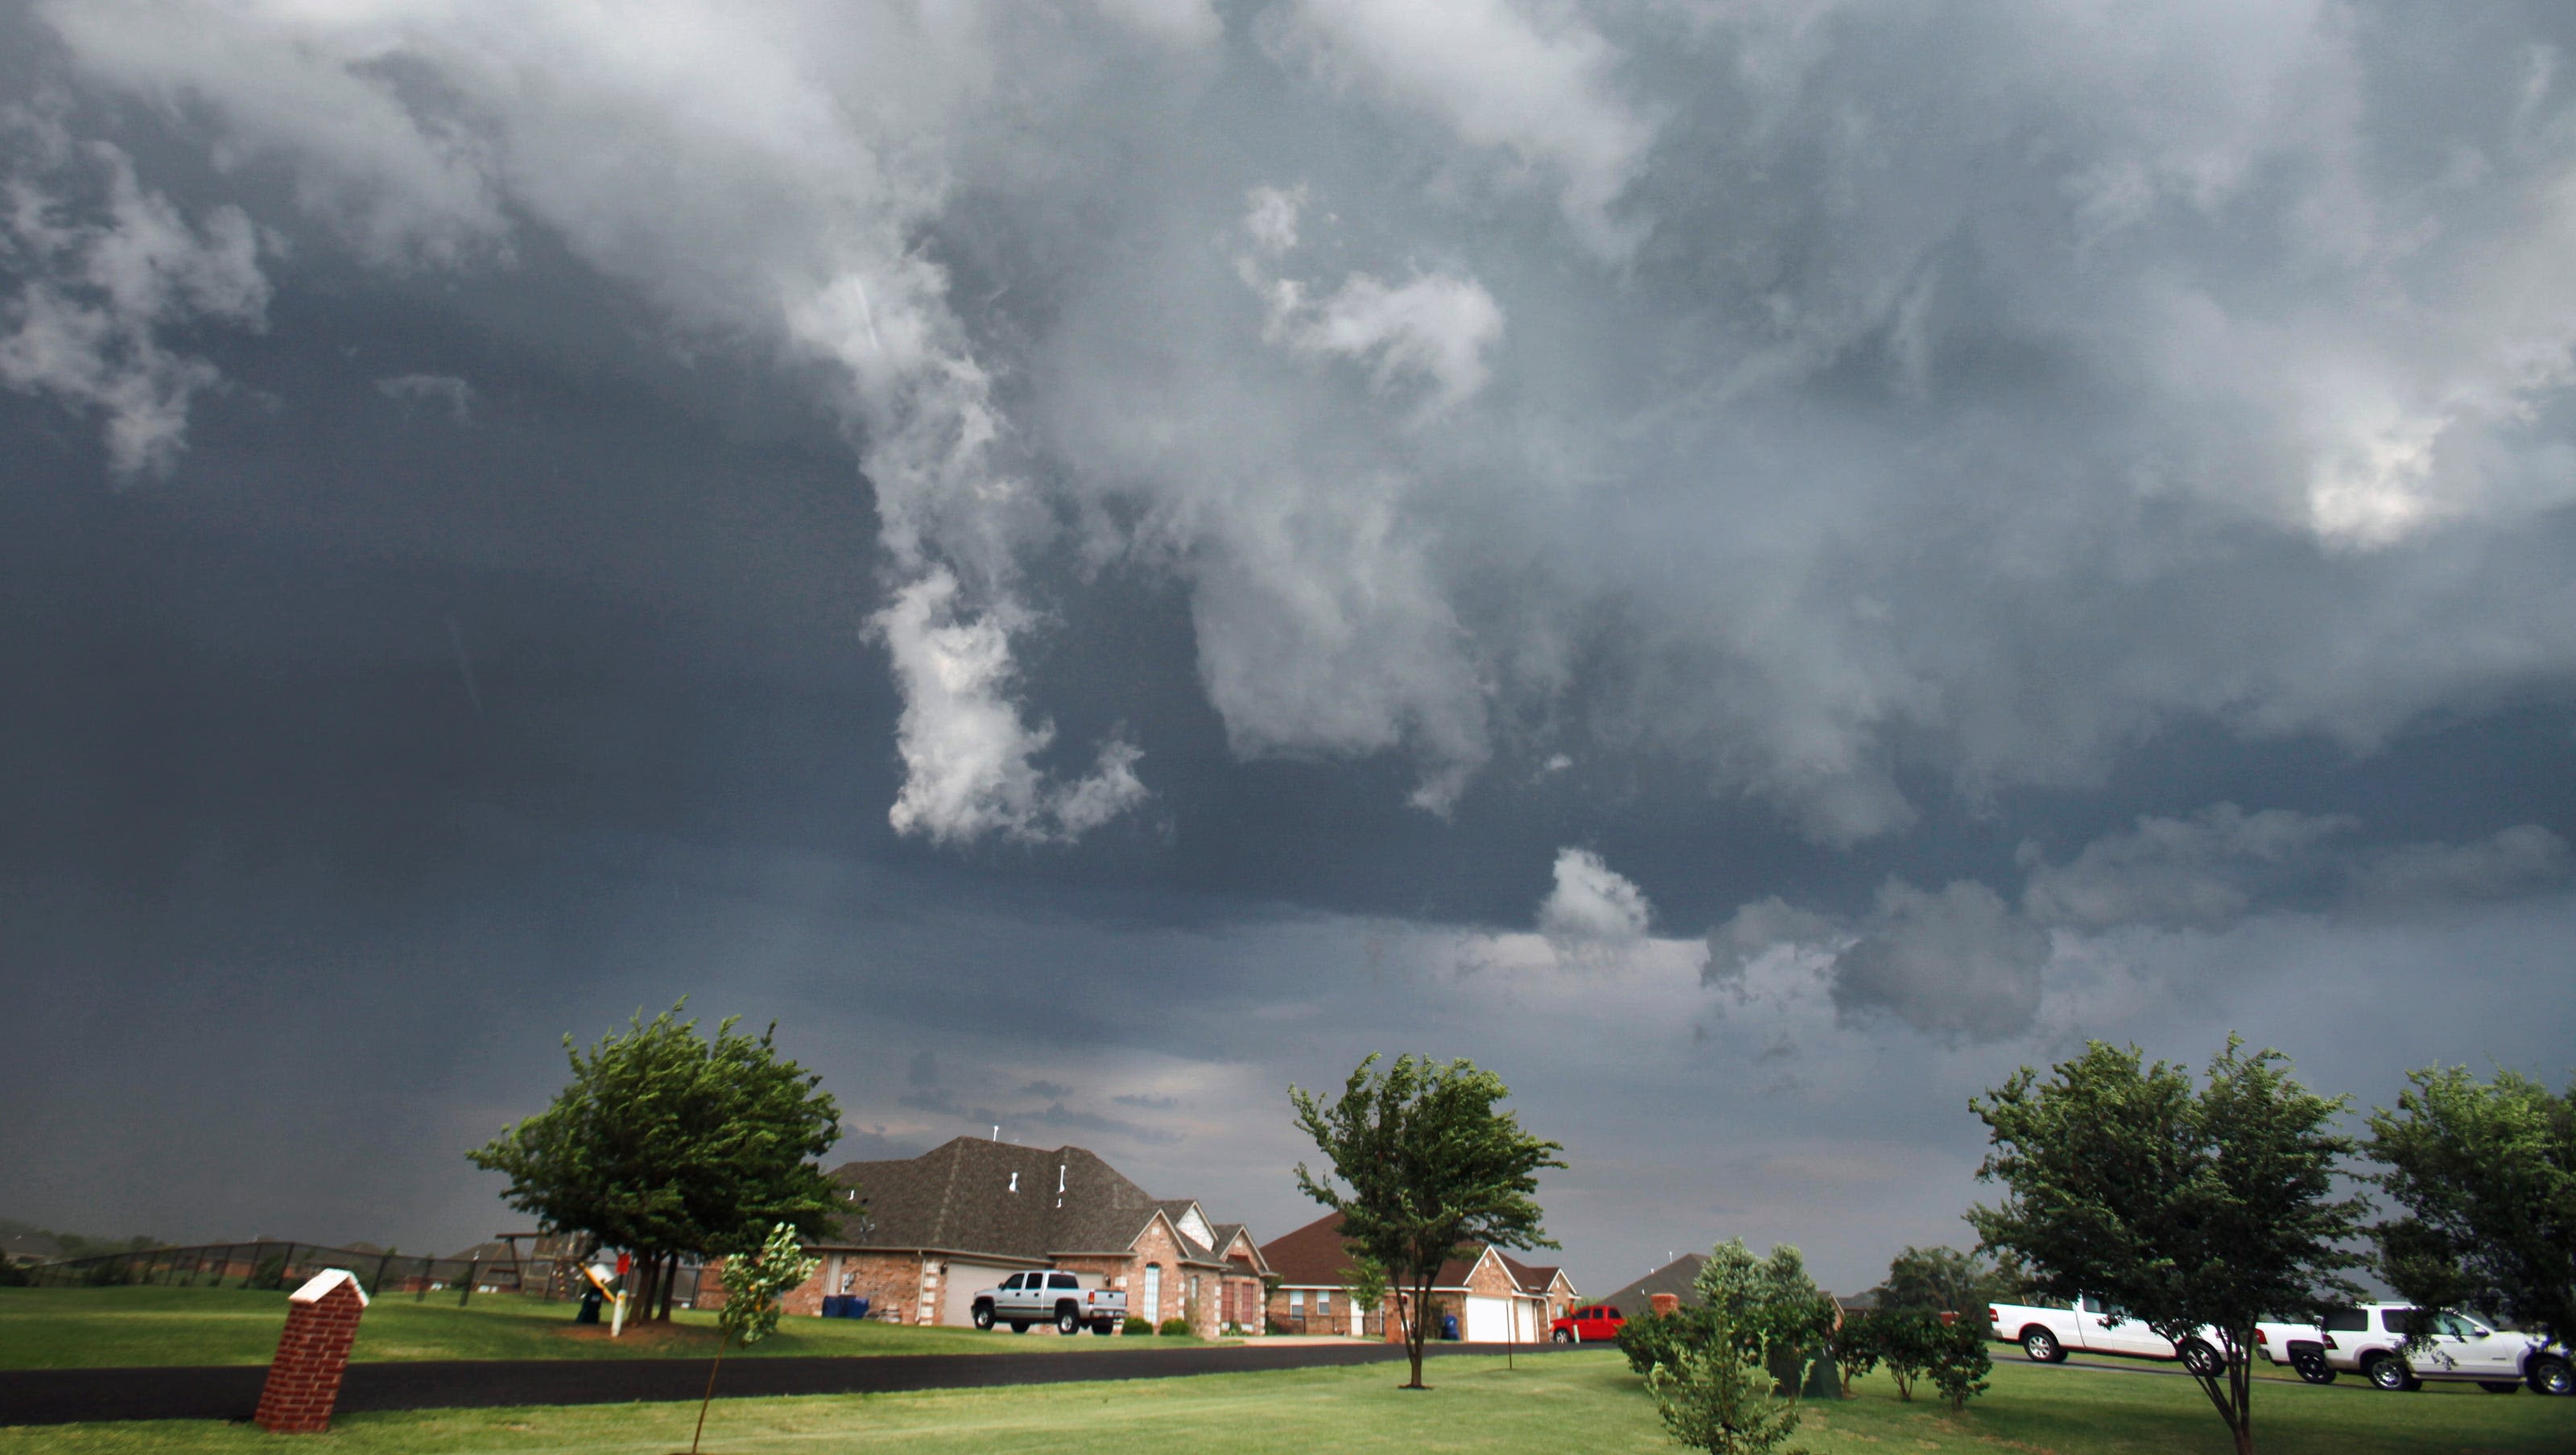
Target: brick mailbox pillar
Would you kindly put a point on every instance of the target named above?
(304, 1378)
(1664, 1303)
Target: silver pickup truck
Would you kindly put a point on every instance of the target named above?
(1045, 1297)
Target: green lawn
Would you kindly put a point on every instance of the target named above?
(60, 1328)
(1550, 1405)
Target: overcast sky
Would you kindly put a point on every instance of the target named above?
(1750, 566)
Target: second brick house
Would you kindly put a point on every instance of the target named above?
(1495, 1297)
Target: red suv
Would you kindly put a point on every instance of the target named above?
(1586, 1325)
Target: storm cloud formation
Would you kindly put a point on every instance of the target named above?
(1957, 556)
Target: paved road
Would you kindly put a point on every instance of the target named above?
(63, 1396)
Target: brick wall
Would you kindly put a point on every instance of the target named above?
(312, 1353)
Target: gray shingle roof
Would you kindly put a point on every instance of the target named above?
(971, 1195)
(1674, 1278)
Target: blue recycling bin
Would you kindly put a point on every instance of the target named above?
(853, 1307)
(1449, 1327)
(832, 1305)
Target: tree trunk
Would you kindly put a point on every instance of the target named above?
(670, 1286)
(707, 1399)
(1417, 1329)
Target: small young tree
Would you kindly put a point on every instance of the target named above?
(2190, 1210)
(1856, 1348)
(1904, 1340)
(1717, 1397)
(667, 1144)
(1366, 1285)
(1958, 1361)
(1432, 1168)
(2487, 1175)
(753, 1283)
(1771, 1303)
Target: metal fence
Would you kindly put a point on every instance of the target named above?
(275, 1265)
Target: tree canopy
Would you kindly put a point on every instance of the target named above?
(1432, 1169)
(1934, 1280)
(665, 1143)
(2186, 1209)
(2487, 1175)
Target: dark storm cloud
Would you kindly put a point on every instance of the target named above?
(950, 535)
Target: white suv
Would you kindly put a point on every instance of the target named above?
(2371, 1340)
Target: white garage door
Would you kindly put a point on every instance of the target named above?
(1489, 1320)
(959, 1286)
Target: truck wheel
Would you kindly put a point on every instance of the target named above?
(2388, 1372)
(2499, 1386)
(1067, 1321)
(1567, 1336)
(2312, 1366)
(983, 1316)
(2042, 1346)
(2549, 1374)
(2201, 1359)
(1019, 1326)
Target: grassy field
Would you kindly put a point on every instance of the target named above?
(61, 1328)
(1568, 1402)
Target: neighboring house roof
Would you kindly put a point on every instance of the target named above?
(1675, 1278)
(1863, 1302)
(1314, 1257)
(1310, 1257)
(971, 1195)
(1535, 1277)
(30, 1248)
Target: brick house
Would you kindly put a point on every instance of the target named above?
(1496, 1297)
(923, 1234)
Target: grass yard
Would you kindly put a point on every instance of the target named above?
(1583, 1401)
(62, 1328)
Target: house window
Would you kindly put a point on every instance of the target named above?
(1296, 1302)
(1323, 1303)
(1154, 1292)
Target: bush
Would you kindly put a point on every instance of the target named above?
(1959, 1362)
(1136, 1324)
(1171, 1328)
(1658, 1341)
(1718, 1399)
(1856, 1348)
(1277, 1327)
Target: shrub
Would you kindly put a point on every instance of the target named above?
(1658, 1341)
(1173, 1327)
(1277, 1327)
(1959, 1362)
(1136, 1324)
(1903, 1340)
(1856, 1347)
(1718, 1398)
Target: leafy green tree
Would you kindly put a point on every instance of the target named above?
(1717, 1397)
(1902, 1339)
(1857, 1348)
(1366, 1285)
(1433, 1169)
(1957, 1357)
(2188, 1208)
(667, 1144)
(1770, 1303)
(1931, 1280)
(2487, 1175)
(753, 1284)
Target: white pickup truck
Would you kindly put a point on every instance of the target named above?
(2047, 1331)
(1047, 1297)
(2370, 1340)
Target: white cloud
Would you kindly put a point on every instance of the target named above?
(1592, 905)
(1896, 450)
(103, 267)
(1540, 87)
(967, 751)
